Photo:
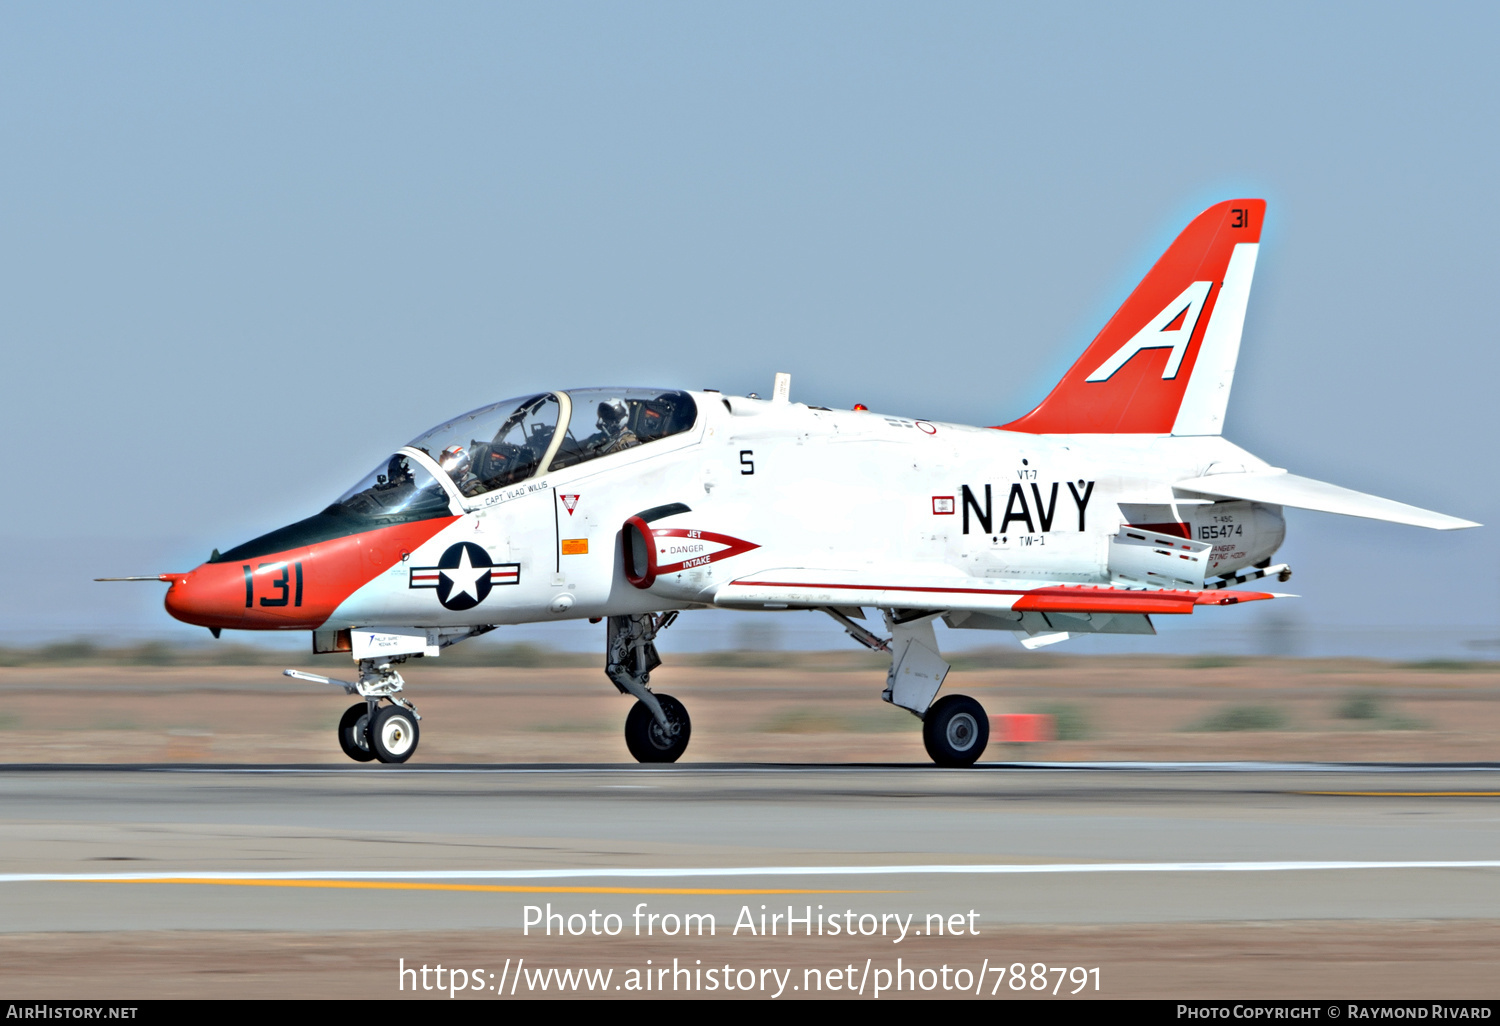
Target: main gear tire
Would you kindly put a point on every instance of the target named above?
(393, 733)
(645, 737)
(955, 731)
(354, 737)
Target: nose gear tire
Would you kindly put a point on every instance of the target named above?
(393, 734)
(955, 731)
(645, 738)
(353, 733)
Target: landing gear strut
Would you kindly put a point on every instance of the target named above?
(657, 728)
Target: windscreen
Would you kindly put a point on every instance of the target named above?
(395, 492)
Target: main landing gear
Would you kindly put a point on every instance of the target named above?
(657, 727)
(369, 730)
(955, 728)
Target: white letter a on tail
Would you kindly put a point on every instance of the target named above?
(1172, 328)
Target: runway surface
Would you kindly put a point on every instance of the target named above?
(132, 848)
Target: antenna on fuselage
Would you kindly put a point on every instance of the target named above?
(781, 391)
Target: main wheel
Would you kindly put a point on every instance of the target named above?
(956, 731)
(353, 733)
(393, 733)
(645, 738)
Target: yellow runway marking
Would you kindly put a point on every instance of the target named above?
(1406, 794)
(396, 885)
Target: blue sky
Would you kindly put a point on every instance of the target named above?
(246, 249)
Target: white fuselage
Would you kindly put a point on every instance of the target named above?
(846, 499)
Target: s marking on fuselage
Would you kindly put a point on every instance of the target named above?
(1039, 512)
(464, 576)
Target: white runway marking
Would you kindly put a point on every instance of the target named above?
(709, 769)
(1001, 869)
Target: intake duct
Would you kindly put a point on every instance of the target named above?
(640, 546)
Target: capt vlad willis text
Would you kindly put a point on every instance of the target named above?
(892, 971)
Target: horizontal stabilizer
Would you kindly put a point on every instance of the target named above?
(1283, 489)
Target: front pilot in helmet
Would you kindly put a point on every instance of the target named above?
(455, 460)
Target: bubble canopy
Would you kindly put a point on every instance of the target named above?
(488, 448)
(510, 441)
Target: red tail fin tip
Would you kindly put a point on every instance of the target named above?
(1165, 361)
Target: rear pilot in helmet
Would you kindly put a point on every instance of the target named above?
(614, 428)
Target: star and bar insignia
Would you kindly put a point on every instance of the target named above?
(464, 576)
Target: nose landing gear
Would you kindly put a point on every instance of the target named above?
(369, 730)
(657, 727)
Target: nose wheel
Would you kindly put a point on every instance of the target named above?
(354, 732)
(393, 734)
(646, 738)
(389, 735)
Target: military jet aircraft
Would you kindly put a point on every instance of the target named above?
(1114, 501)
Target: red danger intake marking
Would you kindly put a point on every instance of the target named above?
(679, 548)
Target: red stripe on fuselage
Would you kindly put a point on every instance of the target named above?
(1060, 598)
(215, 594)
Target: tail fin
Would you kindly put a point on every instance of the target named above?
(1165, 360)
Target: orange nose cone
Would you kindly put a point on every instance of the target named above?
(211, 596)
